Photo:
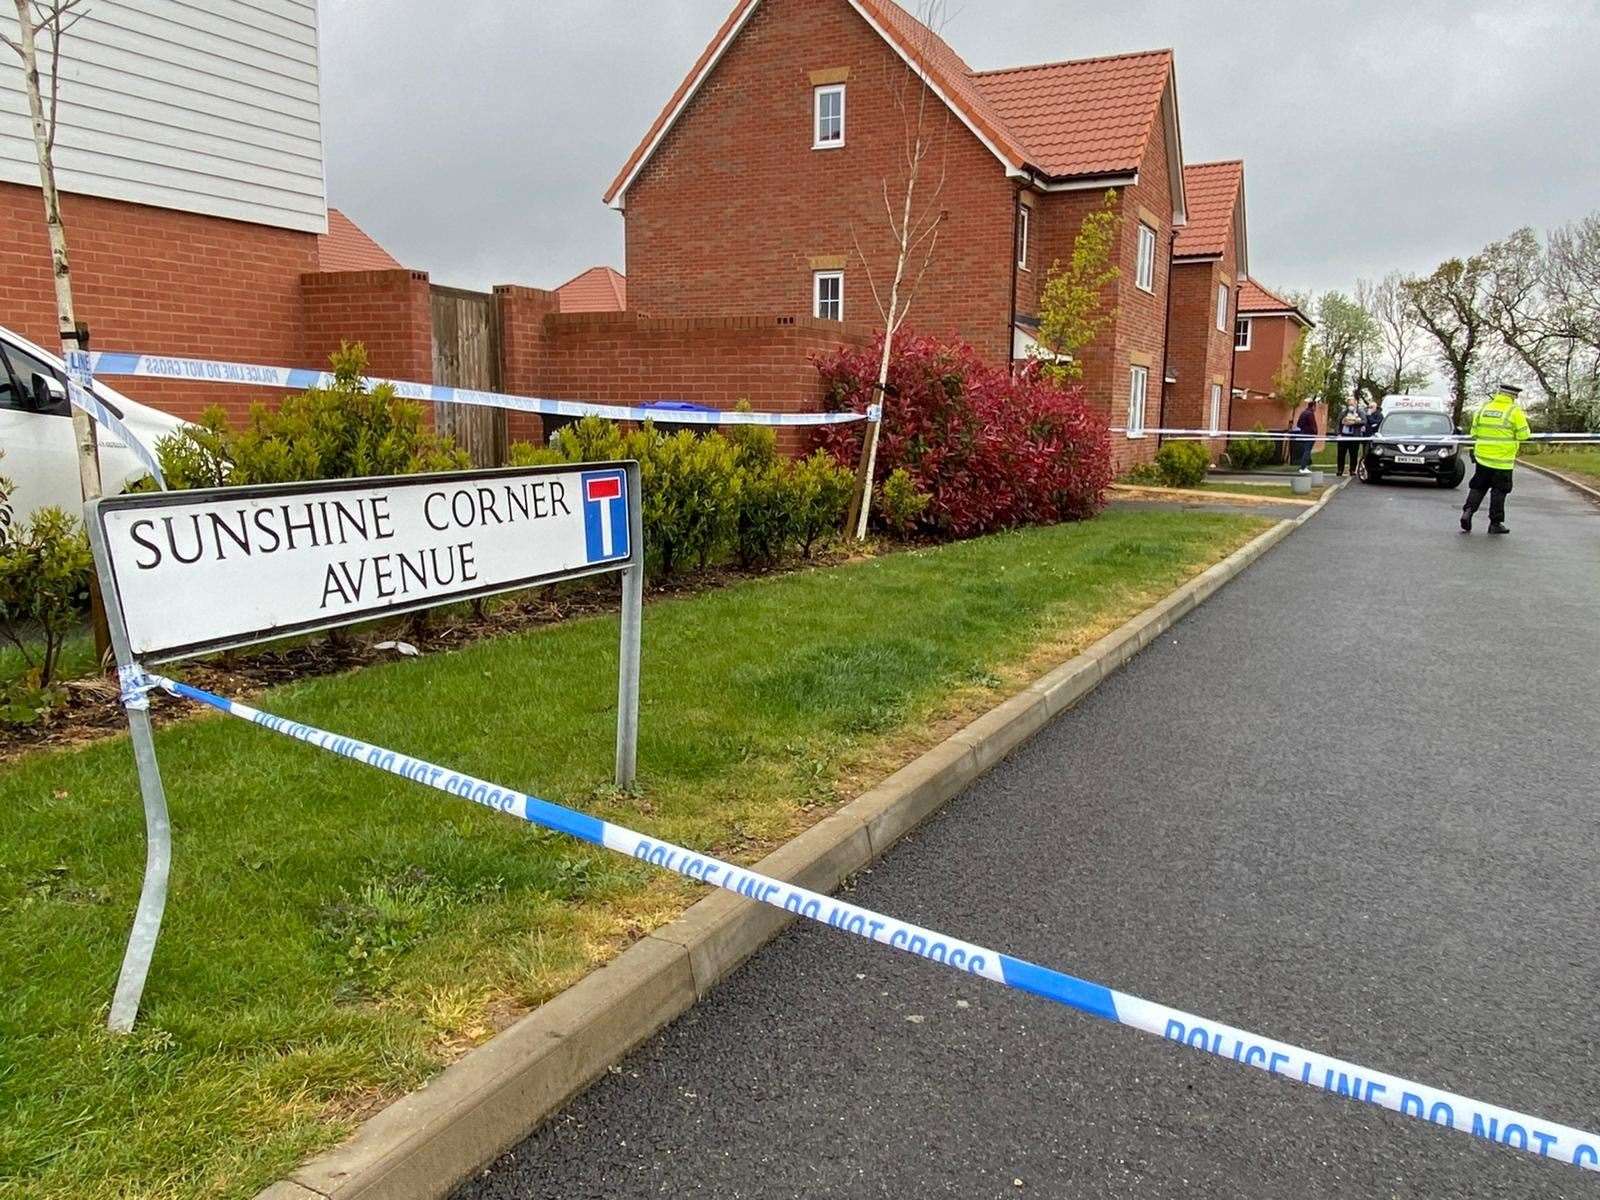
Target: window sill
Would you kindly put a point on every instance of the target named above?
(827, 145)
(1148, 291)
(1136, 437)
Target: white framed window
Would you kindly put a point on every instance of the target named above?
(827, 295)
(1144, 273)
(828, 113)
(1024, 215)
(1138, 389)
(1216, 408)
(1241, 333)
(1223, 297)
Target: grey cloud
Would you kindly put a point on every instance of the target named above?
(1376, 135)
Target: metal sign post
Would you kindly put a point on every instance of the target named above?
(190, 573)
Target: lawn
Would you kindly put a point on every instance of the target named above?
(335, 935)
(1583, 462)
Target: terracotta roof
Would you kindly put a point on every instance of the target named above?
(1255, 300)
(1089, 117)
(1213, 191)
(599, 289)
(346, 247)
(950, 74)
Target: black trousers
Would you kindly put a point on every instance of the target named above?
(1496, 482)
(1352, 451)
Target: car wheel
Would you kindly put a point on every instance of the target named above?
(1370, 474)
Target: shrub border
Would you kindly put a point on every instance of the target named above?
(429, 1142)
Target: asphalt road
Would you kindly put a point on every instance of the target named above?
(1353, 803)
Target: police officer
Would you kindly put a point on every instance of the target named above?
(1498, 431)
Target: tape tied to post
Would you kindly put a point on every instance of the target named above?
(1502, 1126)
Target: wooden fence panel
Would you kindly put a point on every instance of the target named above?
(466, 353)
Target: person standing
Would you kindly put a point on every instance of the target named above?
(1370, 427)
(1305, 428)
(1498, 431)
(1351, 423)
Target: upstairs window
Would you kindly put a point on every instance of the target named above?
(1222, 307)
(1144, 274)
(1024, 214)
(1241, 333)
(827, 295)
(828, 106)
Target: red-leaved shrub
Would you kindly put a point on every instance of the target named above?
(992, 448)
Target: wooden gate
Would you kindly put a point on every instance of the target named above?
(466, 353)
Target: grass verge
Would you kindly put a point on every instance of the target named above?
(334, 935)
(1583, 462)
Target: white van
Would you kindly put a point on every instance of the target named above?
(40, 453)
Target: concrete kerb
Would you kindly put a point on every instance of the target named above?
(425, 1144)
(1591, 492)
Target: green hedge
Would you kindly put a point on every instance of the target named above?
(713, 495)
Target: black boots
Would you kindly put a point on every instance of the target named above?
(1497, 527)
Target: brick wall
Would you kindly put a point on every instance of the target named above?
(624, 358)
(1200, 354)
(1136, 335)
(735, 208)
(388, 311)
(150, 279)
(1272, 341)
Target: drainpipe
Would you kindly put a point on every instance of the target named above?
(1166, 339)
(1011, 324)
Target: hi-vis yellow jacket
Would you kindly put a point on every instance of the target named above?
(1499, 430)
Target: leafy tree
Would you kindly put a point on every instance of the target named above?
(1452, 304)
(1072, 308)
(1304, 374)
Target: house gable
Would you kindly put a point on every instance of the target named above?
(922, 50)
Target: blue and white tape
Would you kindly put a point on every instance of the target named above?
(80, 392)
(1503, 1126)
(1280, 435)
(201, 370)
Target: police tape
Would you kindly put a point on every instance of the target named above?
(1287, 435)
(80, 393)
(201, 370)
(1449, 1110)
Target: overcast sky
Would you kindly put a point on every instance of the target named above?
(1376, 135)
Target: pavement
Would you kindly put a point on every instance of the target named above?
(1402, 872)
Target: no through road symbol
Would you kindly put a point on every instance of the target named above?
(605, 515)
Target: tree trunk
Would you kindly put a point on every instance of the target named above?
(66, 314)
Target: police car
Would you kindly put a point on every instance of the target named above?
(40, 452)
(1416, 439)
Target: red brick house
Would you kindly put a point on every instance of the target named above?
(1209, 261)
(758, 191)
(1266, 333)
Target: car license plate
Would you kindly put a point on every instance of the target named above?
(1413, 459)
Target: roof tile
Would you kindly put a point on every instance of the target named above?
(1092, 116)
(1255, 300)
(347, 247)
(1213, 193)
(599, 289)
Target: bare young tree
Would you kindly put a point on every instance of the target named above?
(1398, 366)
(911, 207)
(51, 20)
